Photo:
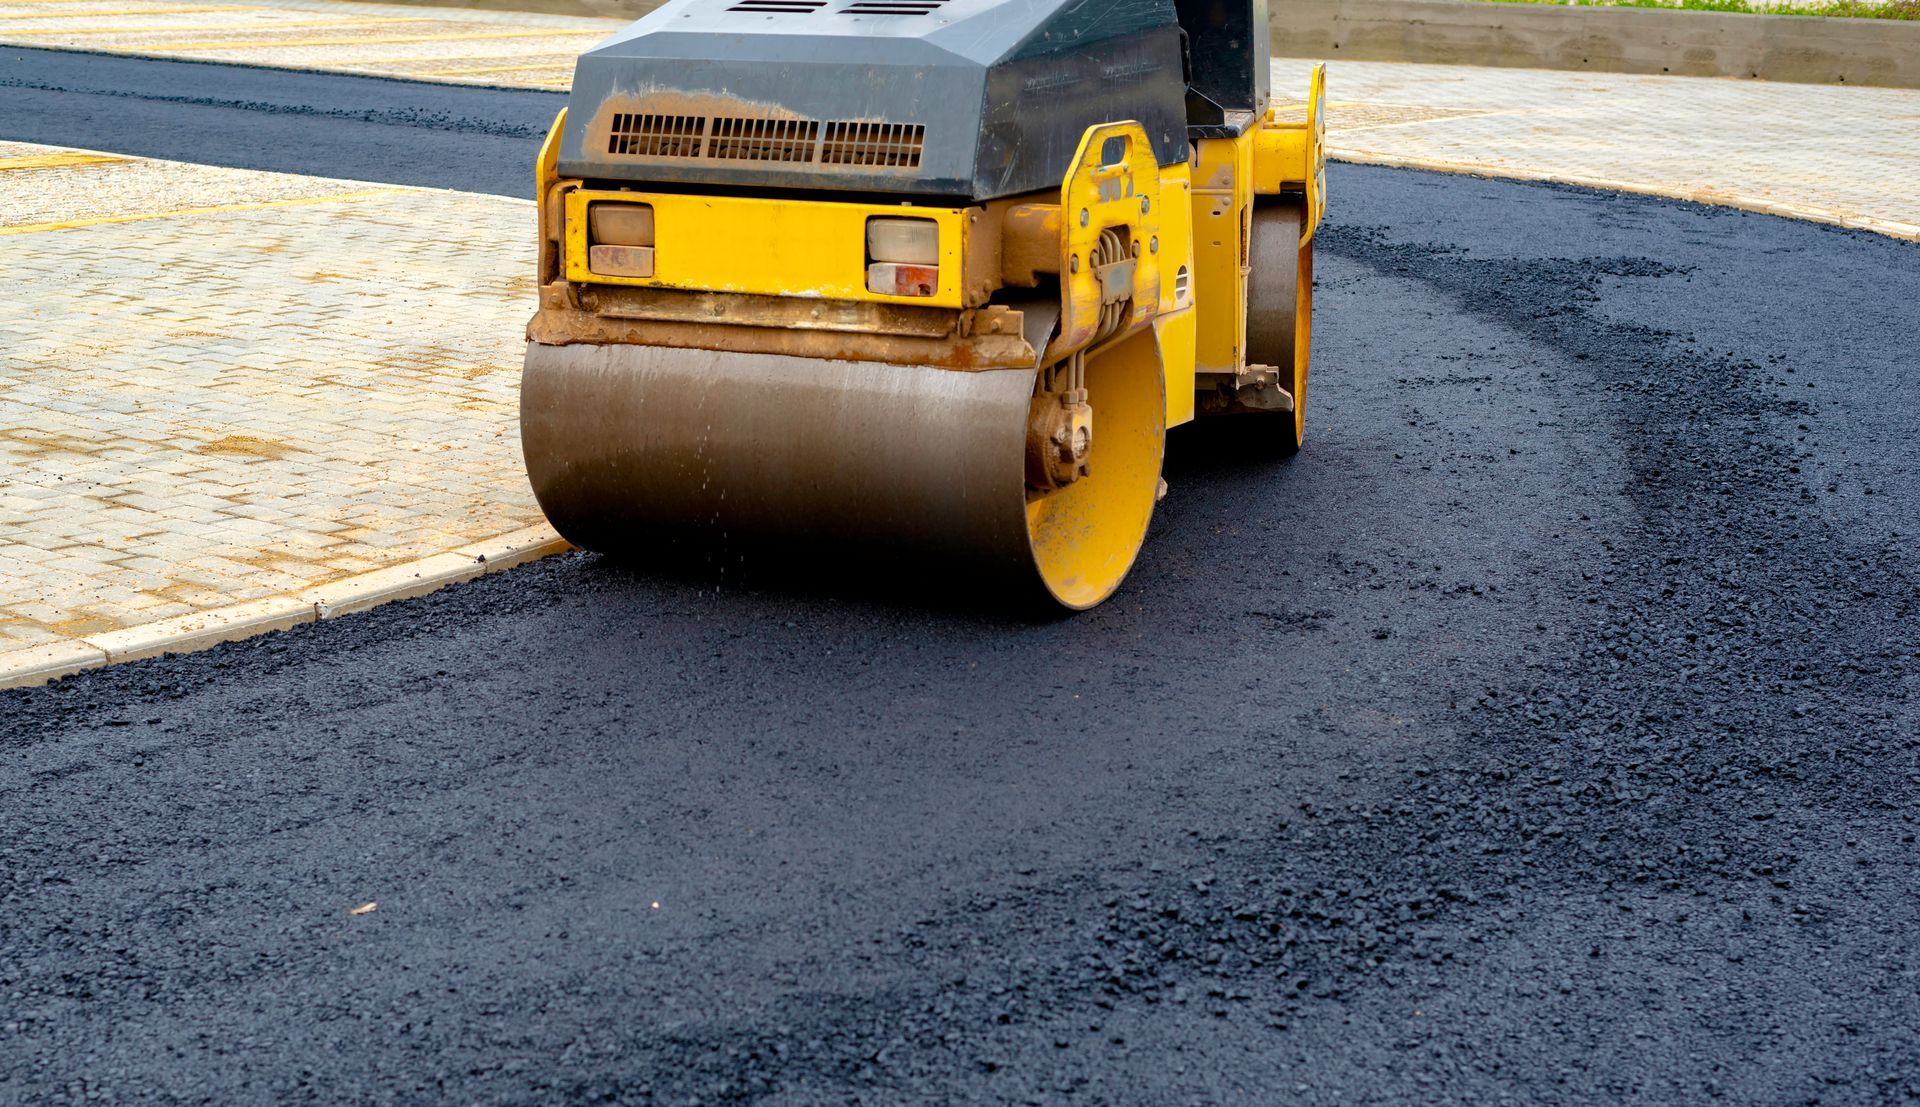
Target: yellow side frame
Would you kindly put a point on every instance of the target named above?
(810, 249)
(1174, 320)
(1270, 157)
(1222, 215)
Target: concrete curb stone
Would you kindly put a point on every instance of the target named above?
(395, 582)
(39, 664)
(204, 629)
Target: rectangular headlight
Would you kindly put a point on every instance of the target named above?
(903, 257)
(620, 239)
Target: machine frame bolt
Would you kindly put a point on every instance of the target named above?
(1153, 244)
(1086, 217)
(1146, 204)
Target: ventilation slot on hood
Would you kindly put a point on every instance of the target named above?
(895, 145)
(779, 7)
(655, 136)
(762, 139)
(891, 7)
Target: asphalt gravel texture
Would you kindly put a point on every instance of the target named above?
(287, 121)
(1545, 733)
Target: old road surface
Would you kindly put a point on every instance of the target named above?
(1546, 733)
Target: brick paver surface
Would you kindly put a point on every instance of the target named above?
(253, 384)
(427, 43)
(1847, 155)
(1842, 154)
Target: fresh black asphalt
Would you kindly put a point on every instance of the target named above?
(360, 128)
(1546, 733)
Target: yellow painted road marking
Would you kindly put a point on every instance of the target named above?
(216, 209)
(58, 161)
(488, 69)
(251, 27)
(566, 58)
(370, 40)
(4, 18)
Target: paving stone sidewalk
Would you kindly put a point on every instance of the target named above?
(1840, 155)
(219, 385)
(1849, 156)
(424, 43)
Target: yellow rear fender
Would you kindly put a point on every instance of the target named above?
(1290, 151)
(1084, 537)
(546, 179)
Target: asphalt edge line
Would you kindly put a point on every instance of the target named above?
(359, 189)
(371, 40)
(1892, 228)
(287, 67)
(212, 209)
(58, 161)
(201, 630)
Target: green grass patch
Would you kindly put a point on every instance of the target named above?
(1841, 9)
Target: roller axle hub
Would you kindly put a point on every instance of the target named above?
(1059, 439)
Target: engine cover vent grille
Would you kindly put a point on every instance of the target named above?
(779, 7)
(894, 145)
(737, 139)
(655, 136)
(891, 7)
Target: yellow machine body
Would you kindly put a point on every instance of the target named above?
(763, 247)
(1001, 397)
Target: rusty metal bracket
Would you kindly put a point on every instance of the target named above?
(1113, 185)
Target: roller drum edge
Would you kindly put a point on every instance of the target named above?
(1279, 307)
(1273, 284)
(629, 446)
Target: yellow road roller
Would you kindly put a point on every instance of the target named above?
(919, 281)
